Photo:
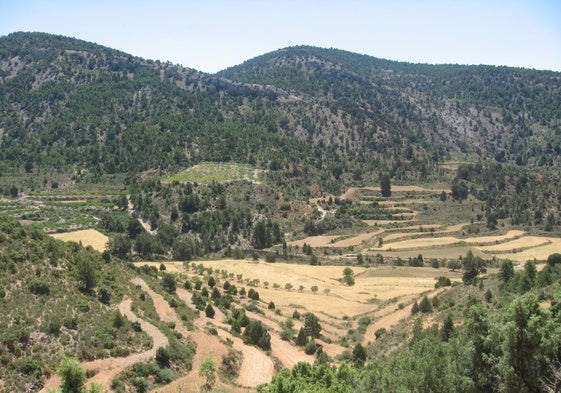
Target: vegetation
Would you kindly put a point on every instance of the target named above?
(174, 164)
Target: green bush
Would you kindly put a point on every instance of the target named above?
(310, 347)
(39, 287)
(163, 357)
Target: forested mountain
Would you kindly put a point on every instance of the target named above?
(81, 107)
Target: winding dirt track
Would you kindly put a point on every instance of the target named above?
(257, 368)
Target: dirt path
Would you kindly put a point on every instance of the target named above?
(288, 354)
(256, 368)
(145, 224)
(109, 368)
(391, 315)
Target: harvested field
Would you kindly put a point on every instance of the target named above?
(519, 244)
(87, 237)
(419, 244)
(539, 253)
(488, 240)
(381, 283)
(314, 241)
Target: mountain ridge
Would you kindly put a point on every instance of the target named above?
(346, 105)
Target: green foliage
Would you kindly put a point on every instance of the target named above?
(39, 287)
(554, 259)
(104, 295)
(385, 186)
(163, 357)
(442, 282)
(359, 355)
(86, 270)
(256, 334)
(209, 311)
(472, 267)
(425, 306)
(310, 347)
(313, 379)
(312, 327)
(169, 283)
(73, 376)
(208, 369)
(231, 364)
(506, 272)
(348, 277)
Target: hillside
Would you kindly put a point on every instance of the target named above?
(87, 109)
(112, 129)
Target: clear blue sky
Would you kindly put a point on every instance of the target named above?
(210, 35)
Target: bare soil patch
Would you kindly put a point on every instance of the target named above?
(87, 237)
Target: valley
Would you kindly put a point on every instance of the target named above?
(310, 220)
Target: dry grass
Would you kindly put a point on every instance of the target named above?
(87, 237)
(380, 283)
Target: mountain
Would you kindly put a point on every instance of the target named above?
(87, 109)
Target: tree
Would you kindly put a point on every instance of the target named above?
(532, 338)
(385, 186)
(169, 283)
(447, 328)
(120, 246)
(472, 266)
(301, 339)
(531, 271)
(311, 325)
(314, 288)
(554, 259)
(163, 357)
(506, 272)
(256, 333)
(348, 278)
(443, 282)
(359, 355)
(425, 306)
(73, 376)
(86, 271)
(207, 370)
(261, 235)
(459, 190)
(209, 311)
(454, 265)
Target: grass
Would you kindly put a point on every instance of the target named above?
(207, 172)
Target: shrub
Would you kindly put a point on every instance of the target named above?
(231, 364)
(168, 282)
(104, 295)
(310, 347)
(443, 282)
(256, 333)
(163, 357)
(425, 306)
(379, 332)
(39, 287)
(271, 305)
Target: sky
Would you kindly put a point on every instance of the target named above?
(211, 35)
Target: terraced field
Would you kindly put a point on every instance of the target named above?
(422, 223)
